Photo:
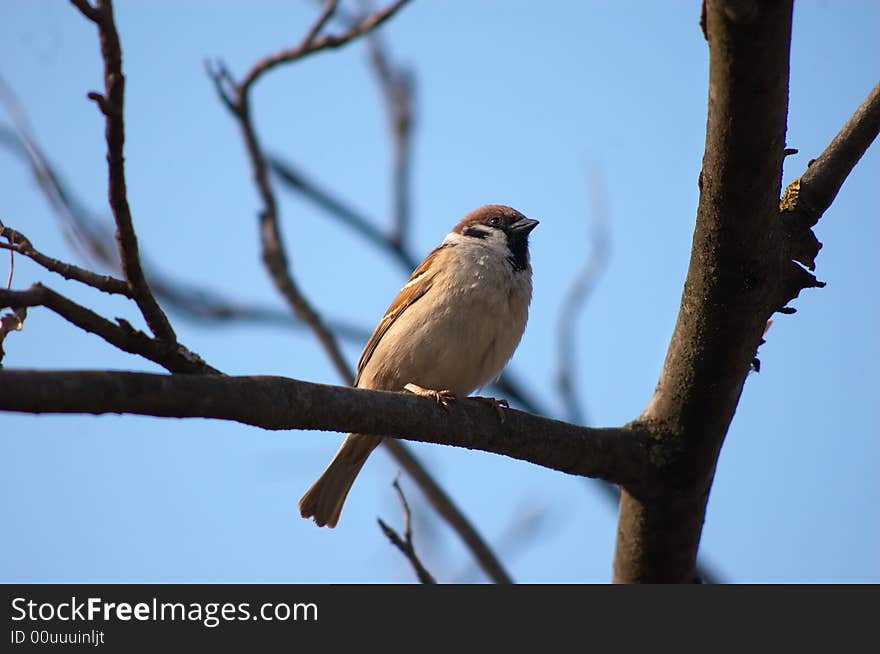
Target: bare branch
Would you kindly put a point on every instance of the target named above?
(808, 197)
(19, 243)
(296, 180)
(617, 454)
(575, 299)
(318, 25)
(312, 44)
(405, 544)
(204, 305)
(111, 104)
(728, 293)
(174, 357)
(527, 526)
(87, 10)
(11, 269)
(449, 511)
(398, 90)
(274, 252)
(90, 237)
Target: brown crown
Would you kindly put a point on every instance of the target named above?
(484, 215)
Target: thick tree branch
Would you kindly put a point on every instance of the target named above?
(111, 104)
(619, 455)
(728, 294)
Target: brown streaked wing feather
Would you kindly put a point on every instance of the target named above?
(408, 295)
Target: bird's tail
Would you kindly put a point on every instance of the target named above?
(323, 501)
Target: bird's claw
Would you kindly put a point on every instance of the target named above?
(499, 404)
(444, 398)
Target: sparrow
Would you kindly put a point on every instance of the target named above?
(451, 329)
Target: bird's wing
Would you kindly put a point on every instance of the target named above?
(416, 286)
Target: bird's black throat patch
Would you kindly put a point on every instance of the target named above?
(518, 244)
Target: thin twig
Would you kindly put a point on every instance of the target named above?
(449, 511)
(405, 544)
(526, 527)
(174, 357)
(111, 104)
(318, 25)
(11, 268)
(312, 44)
(78, 227)
(298, 181)
(398, 92)
(21, 244)
(90, 237)
(238, 99)
(595, 261)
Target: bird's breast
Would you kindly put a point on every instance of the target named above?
(460, 335)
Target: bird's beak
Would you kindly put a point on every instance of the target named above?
(523, 226)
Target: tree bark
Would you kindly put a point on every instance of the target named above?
(730, 292)
(614, 454)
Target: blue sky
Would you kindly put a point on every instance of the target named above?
(518, 103)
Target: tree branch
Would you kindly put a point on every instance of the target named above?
(619, 455)
(824, 177)
(447, 509)
(174, 357)
(88, 236)
(595, 261)
(111, 104)
(313, 43)
(405, 544)
(18, 242)
(398, 92)
(236, 97)
(296, 180)
(728, 294)
(808, 197)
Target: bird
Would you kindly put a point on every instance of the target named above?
(450, 330)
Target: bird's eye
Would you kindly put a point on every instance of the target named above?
(494, 221)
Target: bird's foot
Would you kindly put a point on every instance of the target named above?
(443, 398)
(499, 404)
